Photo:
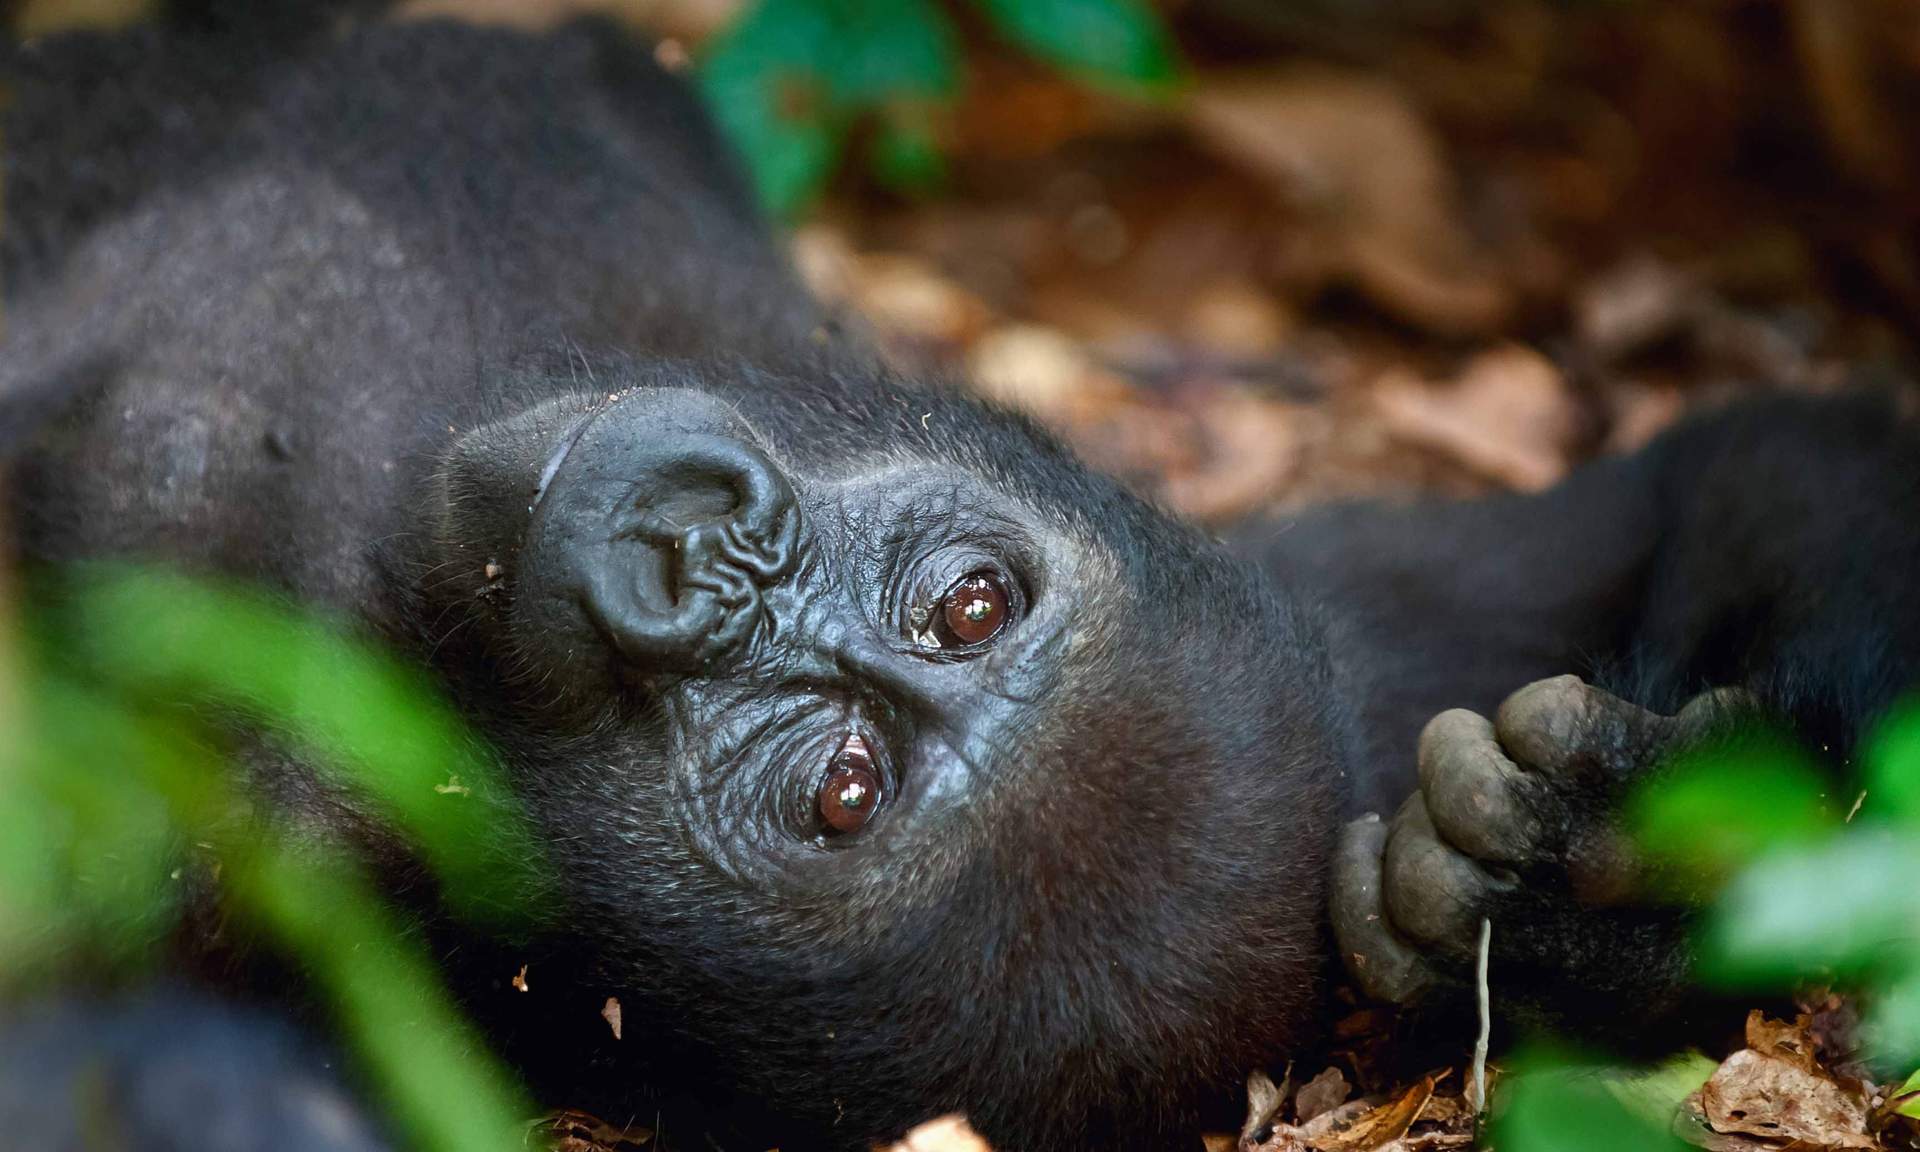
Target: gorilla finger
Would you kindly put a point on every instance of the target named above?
(1715, 713)
(1382, 964)
(1564, 728)
(1434, 894)
(1480, 801)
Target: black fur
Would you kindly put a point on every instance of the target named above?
(324, 324)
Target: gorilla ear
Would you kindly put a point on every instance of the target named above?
(661, 521)
(643, 524)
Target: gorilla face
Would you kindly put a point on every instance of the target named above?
(901, 764)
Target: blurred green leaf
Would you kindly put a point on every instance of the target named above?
(1720, 806)
(1891, 761)
(1548, 1103)
(1909, 1088)
(90, 839)
(906, 155)
(1846, 905)
(1892, 1023)
(421, 1054)
(114, 794)
(788, 79)
(1654, 1094)
(1117, 43)
(369, 723)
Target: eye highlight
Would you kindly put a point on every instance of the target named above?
(850, 793)
(972, 611)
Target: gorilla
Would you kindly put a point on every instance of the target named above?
(893, 763)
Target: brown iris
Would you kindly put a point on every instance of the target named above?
(851, 791)
(974, 610)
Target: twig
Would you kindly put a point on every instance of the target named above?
(1477, 1082)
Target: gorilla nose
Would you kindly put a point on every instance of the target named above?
(663, 522)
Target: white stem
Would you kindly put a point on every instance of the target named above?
(1477, 1084)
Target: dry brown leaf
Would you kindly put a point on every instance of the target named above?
(907, 297)
(1236, 320)
(1639, 413)
(1356, 1126)
(610, 1012)
(1634, 306)
(1253, 448)
(46, 17)
(520, 980)
(696, 20)
(1509, 416)
(1321, 1095)
(1776, 1089)
(1367, 177)
(944, 1134)
(1264, 1101)
(1381, 1127)
(1036, 369)
(571, 1130)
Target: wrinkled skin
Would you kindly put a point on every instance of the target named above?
(474, 337)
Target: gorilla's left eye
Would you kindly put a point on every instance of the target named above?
(973, 610)
(850, 793)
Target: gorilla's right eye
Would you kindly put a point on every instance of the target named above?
(850, 793)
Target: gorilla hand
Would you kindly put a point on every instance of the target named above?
(1514, 822)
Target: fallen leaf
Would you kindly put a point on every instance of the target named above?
(1236, 320)
(1251, 449)
(520, 979)
(1380, 1127)
(1775, 1089)
(571, 1130)
(1509, 416)
(610, 1012)
(1264, 1101)
(1321, 1095)
(944, 1134)
(1632, 307)
(1356, 1126)
(1370, 184)
(1035, 368)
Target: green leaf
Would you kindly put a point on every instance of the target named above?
(1892, 767)
(888, 50)
(1847, 905)
(1548, 1104)
(1121, 43)
(370, 723)
(1655, 1094)
(906, 155)
(787, 81)
(107, 786)
(1910, 1089)
(1720, 806)
(1892, 1024)
(422, 1054)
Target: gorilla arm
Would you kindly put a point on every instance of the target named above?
(1756, 549)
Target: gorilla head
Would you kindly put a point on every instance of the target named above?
(903, 765)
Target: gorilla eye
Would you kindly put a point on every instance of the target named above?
(850, 794)
(972, 612)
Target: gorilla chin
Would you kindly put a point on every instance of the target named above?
(887, 832)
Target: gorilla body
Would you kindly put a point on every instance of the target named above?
(894, 762)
